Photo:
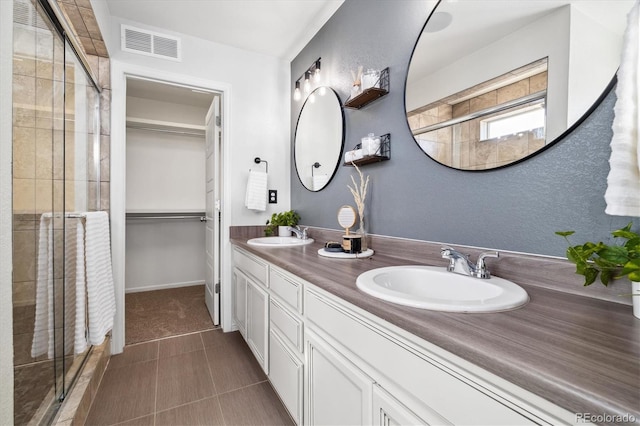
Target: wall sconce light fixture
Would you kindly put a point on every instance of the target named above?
(312, 72)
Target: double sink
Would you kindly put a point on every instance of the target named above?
(427, 287)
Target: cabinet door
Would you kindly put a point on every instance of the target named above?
(388, 411)
(285, 374)
(240, 301)
(337, 392)
(258, 323)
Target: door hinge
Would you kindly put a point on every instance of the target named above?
(218, 121)
(216, 288)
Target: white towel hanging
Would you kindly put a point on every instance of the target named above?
(42, 342)
(623, 182)
(101, 302)
(256, 196)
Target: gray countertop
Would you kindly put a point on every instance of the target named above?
(581, 353)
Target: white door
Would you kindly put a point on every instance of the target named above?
(213, 176)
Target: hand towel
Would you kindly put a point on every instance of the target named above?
(42, 342)
(101, 303)
(256, 196)
(319, 181)
(75, 288)
(623, 182)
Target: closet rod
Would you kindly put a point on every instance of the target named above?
(202, 218)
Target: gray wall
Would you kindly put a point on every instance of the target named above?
(517, 208)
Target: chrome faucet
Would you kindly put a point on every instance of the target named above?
(300, 233)
(460, 263)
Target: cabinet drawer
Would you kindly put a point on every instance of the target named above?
(287, 325)
(286, 289)
(252, 266)
(412, 371)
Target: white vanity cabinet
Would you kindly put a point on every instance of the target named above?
(333, 363)
(251, 304)
(338, 392)
(286, 346)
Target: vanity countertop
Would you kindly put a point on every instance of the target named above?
(581, 353)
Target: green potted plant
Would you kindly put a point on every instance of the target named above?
(609, 261)
(280, 221)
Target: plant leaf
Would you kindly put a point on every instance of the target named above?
(614, 254)
(590, 275)
(630, 267)
(565, 233)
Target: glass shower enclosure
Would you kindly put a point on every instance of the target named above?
(55, 179)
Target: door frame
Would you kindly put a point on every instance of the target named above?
(120, 71)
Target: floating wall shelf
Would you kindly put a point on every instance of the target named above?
(384, 154)
(370, 94)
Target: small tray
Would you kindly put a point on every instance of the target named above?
(343, 255)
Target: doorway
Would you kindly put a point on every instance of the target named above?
(172, 240)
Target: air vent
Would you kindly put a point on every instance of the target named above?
(24, 13)
(149, 43)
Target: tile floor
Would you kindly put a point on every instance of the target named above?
(203, 378)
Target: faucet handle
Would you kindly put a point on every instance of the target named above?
(481, 267)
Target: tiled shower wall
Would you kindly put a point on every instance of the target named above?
(32, 156)
(460, 145)
(37, 159)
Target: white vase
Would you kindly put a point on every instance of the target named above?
(635, 290)
(283, 231)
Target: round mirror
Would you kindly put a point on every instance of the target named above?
(346, 218)
(319, 138)
(492, 82)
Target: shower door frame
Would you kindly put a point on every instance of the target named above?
(71, 54)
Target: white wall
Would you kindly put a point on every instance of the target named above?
(604, 47)
(6, 307)
(259, 110)
(165, 171)
(256, 124)
(164, 254)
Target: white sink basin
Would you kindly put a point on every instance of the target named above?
(279, 242)
(434, 288)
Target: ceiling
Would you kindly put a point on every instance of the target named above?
(474, 24)
(279, 28)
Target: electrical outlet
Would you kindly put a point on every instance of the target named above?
(273, 196)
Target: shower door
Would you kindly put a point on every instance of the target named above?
(55, 173)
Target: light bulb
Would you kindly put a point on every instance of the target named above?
(323, 91)
(317, 72)
(296, 93)
(312, 97)
(307, 83)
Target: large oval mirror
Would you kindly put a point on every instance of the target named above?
(493, 82)
(319, 138)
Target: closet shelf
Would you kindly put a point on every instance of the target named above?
(165, 126)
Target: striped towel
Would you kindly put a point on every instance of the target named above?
(75, 288)
(42, 342)
(101, 303)
(256, 196)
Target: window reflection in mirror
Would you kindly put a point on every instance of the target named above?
(488, 125)
(492, 82)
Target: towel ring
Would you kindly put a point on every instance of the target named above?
(257, 160)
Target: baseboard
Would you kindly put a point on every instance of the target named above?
(162, 286)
